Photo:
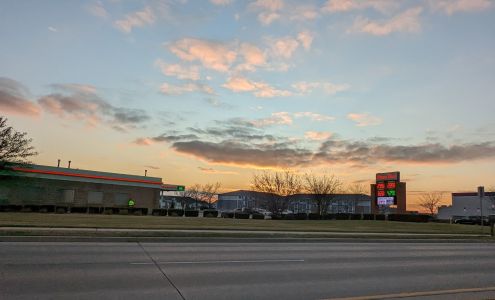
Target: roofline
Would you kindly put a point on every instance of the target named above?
(69, 174)
(470, 194)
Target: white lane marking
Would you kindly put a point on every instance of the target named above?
(419, 294)
(221, 261)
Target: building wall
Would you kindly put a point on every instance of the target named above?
(36, 191)
(466, 205)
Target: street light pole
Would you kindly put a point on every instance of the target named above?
(481, 194)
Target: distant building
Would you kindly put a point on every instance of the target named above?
(36, 186)
(242, 199)
(299, 203)
(337, 203)
(179, 202)
(467, 205)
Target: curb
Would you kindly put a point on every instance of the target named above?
(134, 239)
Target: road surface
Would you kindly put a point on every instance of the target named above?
(32, 270)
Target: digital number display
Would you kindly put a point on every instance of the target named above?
(385, 200)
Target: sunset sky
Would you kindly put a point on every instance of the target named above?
(207, 91)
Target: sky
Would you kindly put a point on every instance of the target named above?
(216, 91)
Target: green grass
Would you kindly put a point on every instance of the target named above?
(154, 222)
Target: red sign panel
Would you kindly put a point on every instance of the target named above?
(388, 176)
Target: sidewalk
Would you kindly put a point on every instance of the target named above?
(107, 232)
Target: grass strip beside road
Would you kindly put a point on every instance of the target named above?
(184, 223)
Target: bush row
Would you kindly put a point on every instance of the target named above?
(344, 216)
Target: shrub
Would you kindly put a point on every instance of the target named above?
(159, 212)
(175, 212)
(328, 217)
(355, 216)
(78, 210)
(61, 210)
(258, 216)
(123, 211)
(288, 216)
(95, 210)
(408, 218)
(277, 217)
(342, 216)
(192, 213)
(210, 213)
(241, 215)
(368, 217)
(380, 217)
(301, 216)
(227, 214)
(314, 216)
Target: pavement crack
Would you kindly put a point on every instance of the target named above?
(161, 270)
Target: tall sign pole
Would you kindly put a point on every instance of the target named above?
(481, 194)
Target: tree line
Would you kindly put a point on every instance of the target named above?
(321, 188)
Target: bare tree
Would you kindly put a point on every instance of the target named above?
(208, 192)
(202, 193)
(356, 190)
(15, 147)
(277, 185)
(322, 189)
(430, 201)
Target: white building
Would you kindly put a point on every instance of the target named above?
(467, 205)
(299, 203)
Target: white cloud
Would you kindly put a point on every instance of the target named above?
(452, 6)
(306, 39)
(303, 13)
(277, 118)
(317, 135)
(407, 21)
(283, 47)
(253, 57)
(221, 2)
(137, 19)
(330, 88)
(364, 119)
(259, 89)
(86, 89)
(384, 6)
(97, 9)
(213, 55)
(270, 5)
(313, 116)
(268, 10)
(178, 71)
(266, 18)
(52, 29)
(171, 89)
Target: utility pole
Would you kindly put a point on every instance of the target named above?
(481, 194)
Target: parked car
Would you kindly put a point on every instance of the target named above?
(471, 220)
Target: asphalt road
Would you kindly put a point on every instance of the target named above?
(31, 270)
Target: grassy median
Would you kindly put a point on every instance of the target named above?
(155, 222)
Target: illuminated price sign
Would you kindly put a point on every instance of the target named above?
(386, 188)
